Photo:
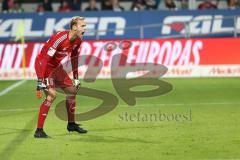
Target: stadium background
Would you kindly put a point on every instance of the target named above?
(198, 41)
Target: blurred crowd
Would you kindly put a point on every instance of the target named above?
(208, 4)
(14, 6)
(11, 6)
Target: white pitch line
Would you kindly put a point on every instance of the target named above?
(8, 89)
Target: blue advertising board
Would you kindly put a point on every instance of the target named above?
(122, 25)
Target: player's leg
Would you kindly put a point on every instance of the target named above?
(71, 92)
(43, 112)
(63, 81)
(70, 102)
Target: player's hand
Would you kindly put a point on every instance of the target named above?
(77, 84)
(40, 88)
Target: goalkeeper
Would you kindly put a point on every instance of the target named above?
(59, 46)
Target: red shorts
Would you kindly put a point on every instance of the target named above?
(58, 78)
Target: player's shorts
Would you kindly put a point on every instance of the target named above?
(58, 78)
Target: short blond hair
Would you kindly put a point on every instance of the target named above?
(74, 20)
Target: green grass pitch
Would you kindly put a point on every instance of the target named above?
(209, 131)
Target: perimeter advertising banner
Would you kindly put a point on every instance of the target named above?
(38, 27)
(183, 57)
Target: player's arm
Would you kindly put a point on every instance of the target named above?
(74, 61)
(47, 53)
(41, 66)
(42, 63)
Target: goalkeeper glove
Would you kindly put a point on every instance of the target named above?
(40, 87)
(77, 84)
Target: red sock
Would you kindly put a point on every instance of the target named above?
(44, 108)
(71, 105)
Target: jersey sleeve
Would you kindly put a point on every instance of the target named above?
(41, 66)
(54, 42)
(48, 51)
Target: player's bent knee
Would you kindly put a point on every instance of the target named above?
(71, 91)
(51, 96)
(70, 97)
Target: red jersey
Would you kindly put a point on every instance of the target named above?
(54, 51)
